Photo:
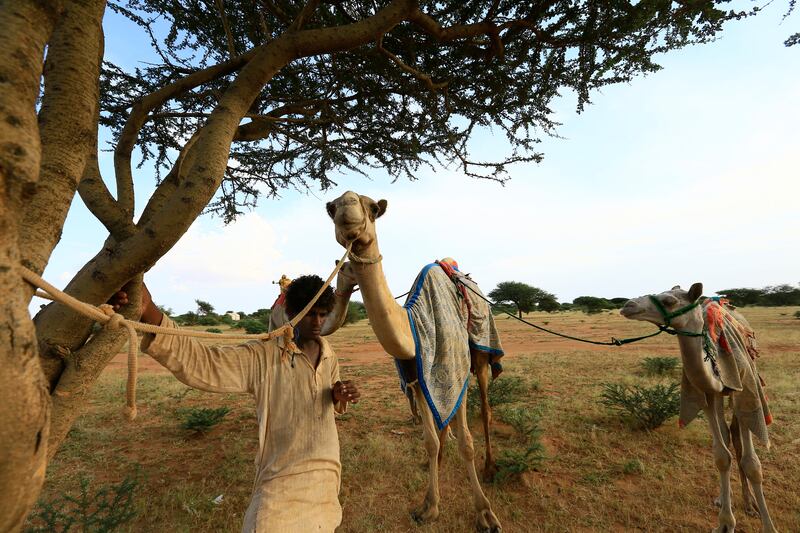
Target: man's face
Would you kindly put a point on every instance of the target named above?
(310, 326)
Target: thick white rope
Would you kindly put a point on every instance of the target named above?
(112, 320)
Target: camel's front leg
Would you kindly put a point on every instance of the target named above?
(722, 458)
(481, 362)
(751, 466)
(429, 510)
(486, 521)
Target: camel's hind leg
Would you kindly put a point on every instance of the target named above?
(722, 459)
(429, 510)
(747, 494)
(751, 466)
(486, 521)
(481, 365)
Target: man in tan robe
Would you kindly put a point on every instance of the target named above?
(298, 471)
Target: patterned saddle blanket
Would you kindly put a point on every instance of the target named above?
(448, 321)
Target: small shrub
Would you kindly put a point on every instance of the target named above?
(208, 320)
(634, 466)
(253, 326)
(529, 454)
(200, 420)
(103, 511)
(642, 407)
(213, 330)
(505, 389)
(797, 314)
(659, 366)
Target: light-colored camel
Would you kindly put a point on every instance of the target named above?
(681, 311)
(345, 286)
(354, 218)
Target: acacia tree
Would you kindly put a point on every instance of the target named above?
(251, 96)
(524, 297)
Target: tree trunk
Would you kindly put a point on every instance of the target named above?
(25, 27)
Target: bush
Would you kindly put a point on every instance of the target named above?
(797, 314)
(203, 419)
(208, 320)
(659, 366)
(213, 330)
(103, 511)
(355, 312)
(642, 407)
(253, 326)
(505, 389)
(529, 454)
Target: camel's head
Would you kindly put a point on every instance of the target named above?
(354, 217)
(671, 308)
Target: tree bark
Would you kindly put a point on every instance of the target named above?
(25, 27)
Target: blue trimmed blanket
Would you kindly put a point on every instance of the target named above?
(448, 320)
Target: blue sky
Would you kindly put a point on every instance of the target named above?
(690, 174)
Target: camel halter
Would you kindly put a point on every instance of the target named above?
(112, 320)
(667, 316)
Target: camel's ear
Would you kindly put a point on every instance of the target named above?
(695, 291)
(379, 208)
(336, 262)
(331, 208)
(676, 288)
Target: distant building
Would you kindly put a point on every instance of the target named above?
(233, 314)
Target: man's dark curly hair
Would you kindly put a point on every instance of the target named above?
(303, 289)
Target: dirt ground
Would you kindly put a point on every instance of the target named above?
(598, 475)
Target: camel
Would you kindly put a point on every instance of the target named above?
(345, 286)
(708, 377)
(354, 219)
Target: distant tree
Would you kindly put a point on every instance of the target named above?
(592, 304)
(742, 297)
(261, 315)
(523, 296)
(187, 319)
(780, 295)
(549, 304)
(204, 308)
(618, 302)
(166, 310)
(355, 312)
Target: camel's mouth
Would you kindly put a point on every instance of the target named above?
(631, 311)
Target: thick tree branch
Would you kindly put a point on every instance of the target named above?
(138, 116)
(68, 123)
(104, 207)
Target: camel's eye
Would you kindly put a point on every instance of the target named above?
(668, 300)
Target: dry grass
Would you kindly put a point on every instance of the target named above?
(598, 475)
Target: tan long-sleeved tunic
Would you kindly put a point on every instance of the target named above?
(297, 466)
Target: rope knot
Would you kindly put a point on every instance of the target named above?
(115, 320)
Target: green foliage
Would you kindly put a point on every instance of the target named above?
(659, 366)
(524, 297)
(642, 407)
(204, 308)
(252, 326)
(262, 315)
(592, 304)
(213, 330)
(105, 510)
(503, 390)
(186, 319)
(528, 454)
(166, 310)
(208, 320)
(770, 296)
(355, 311)
(634, 466)
(202, 419)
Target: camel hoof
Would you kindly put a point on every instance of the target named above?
(487, 522)
(425, 514)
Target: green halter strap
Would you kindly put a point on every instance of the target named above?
(678, 312)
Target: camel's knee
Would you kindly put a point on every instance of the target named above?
(466, 448)
(722, 459)
(751, 466)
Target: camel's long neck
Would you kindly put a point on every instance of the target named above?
(337, 317)
(389, 320)
(697, 370)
